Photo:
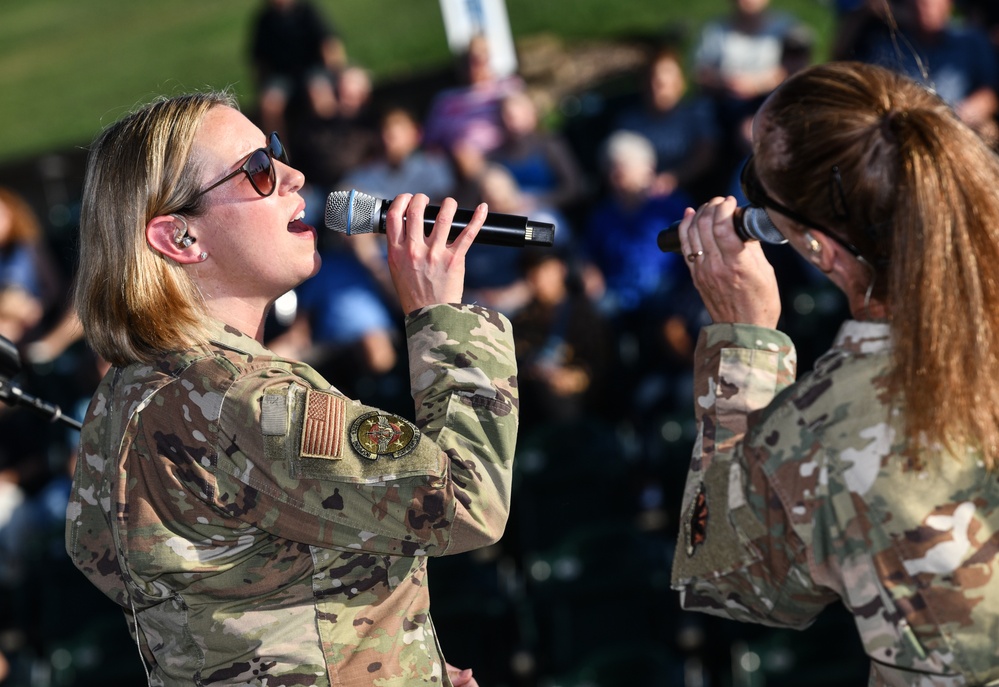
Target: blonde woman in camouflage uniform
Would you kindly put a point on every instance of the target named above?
(873, 479)
(255, 526)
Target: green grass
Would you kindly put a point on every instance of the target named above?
(68, 67)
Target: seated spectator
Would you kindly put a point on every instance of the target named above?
(563, 343)
(630, 279)
(493, 276)
(23, 261)
(331, 149)
(681, 126)
(295, 51)
(621, 232)
(402, 164)
(465, 121)
(540, 160)
(20, 313)
(738, 57)
(28, 282)
(31, 289)
(353, 91)
(957, 61)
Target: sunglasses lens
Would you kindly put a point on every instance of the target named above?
(261, 172)
(278, 151)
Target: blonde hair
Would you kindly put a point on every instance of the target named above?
(885, 164)
(132, 301)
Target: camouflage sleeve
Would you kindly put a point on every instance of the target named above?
(464, 382)
(306, 464)
(738, 369)
(737, 555)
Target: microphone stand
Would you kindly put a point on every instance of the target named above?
(10, 365)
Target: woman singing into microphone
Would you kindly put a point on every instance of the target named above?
(255, 525)
(872, 480)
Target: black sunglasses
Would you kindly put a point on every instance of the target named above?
(258, 168)
(757, 195)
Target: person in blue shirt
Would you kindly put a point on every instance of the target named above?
(682, 126)
(621, 229)
(954, 59)
(28, 283)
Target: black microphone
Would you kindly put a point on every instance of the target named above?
(751, 224)
(352, 212)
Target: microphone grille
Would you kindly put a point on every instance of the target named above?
(350, 212)
(756, 224)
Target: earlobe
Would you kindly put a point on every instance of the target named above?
(168, 235)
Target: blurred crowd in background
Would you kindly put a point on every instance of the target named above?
(576, 593)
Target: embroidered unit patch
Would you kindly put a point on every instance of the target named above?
(376, 434)
(323, 424)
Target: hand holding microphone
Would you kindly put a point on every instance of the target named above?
(751, 224)
(353, 212)
(427, 267)
(727, 264)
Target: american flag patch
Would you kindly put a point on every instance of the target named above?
(323, 425)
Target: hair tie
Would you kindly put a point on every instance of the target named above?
(892, 120)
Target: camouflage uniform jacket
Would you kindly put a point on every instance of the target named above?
(257, 527)
(799, 494)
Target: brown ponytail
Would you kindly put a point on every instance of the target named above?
(921, 196)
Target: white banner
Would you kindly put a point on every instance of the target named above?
(466, 18)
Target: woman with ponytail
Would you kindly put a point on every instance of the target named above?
(874, 479)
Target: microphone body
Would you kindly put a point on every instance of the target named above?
(751, 224)
(353, 212)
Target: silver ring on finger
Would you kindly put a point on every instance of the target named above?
(691, 257)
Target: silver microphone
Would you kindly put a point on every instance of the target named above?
(352, 212)
(751, 224)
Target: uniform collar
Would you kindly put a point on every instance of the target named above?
(864, 337)
(227, 336)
